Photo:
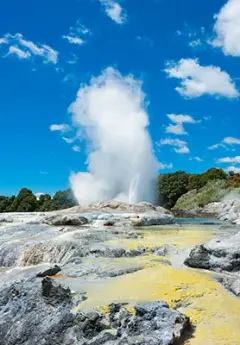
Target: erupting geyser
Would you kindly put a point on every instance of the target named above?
(121, 163)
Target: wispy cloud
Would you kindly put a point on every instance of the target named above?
(233, 160)
(21, 54)
(216, 146)
(195, 38)
(114, 11)
(163, 166)
(63, 128)
(226, 141)
(146, 41)
(69, 140)
(77, 34)
(197, 80)
(179, 146)
(43, 173)
(76, 148)
(178, 120)
(73, 59)
(197, 159)
(24, 49)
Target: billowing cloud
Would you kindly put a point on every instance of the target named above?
(114, 11)
(77, 34)
(197, 80)
(227, 28)
(17, 45)
(179, 146)
(63, 128)
(232, 160)
(112, 113)
(178, 120)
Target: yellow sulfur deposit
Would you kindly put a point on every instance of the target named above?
(212, 310)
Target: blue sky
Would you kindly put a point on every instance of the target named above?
(187, 59)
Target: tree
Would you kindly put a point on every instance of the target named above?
(172, 186)
(195, 181)
(25, 201)
(64, 199)
(213, 174)
(234, 180)
(5, 203)
(46, 203)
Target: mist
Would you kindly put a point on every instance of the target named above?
(111, 116)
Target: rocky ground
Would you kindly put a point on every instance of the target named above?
(107, 275)
(221, 254)
(36, 248)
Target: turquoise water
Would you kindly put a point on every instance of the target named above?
(203, 221)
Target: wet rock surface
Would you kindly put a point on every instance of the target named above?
(34, 312)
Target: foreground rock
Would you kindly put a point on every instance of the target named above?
(32, 313)
(218, 254)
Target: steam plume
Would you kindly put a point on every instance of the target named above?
(121, 163)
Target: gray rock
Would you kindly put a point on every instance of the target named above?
(232, 284)
(151, 219)
(226, 210)
(164, 250)
(32, 313)
(66, 219)
(218, 254)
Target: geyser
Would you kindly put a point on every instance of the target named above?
(111, 114)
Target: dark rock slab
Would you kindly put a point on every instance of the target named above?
(49, 273)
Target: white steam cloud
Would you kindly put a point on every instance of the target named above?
(121, 162)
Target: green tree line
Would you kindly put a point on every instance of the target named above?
(26, 201)
(170, 187)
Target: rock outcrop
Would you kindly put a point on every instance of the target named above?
(218, 254)
(226, 210)
(32, 313)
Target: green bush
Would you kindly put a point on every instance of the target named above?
(213, 191)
